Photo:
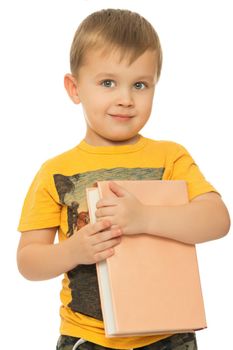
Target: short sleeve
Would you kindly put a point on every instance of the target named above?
(185, 168)
(41, 208)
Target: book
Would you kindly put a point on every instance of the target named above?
(151, 285)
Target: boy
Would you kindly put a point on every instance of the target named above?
(116, 61)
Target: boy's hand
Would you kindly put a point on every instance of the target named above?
(94, 242)
(125, 210)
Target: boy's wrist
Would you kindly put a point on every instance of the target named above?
(146, 219)
(70, 252)
(149, 219)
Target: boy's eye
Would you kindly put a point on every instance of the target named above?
(108, 83)
(140, 85)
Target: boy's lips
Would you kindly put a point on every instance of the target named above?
(121, 116)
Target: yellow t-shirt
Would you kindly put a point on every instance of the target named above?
(57, 198)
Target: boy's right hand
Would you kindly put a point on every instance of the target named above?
(94, 242)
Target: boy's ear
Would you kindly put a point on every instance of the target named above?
(70, 84)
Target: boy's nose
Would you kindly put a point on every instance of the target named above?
(125, 98)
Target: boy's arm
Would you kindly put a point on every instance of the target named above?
(38, 258)
(203, 219)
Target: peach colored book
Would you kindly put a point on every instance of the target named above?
(151, 285)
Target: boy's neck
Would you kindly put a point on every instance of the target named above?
(106, 142)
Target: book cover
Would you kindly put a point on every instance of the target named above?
(151, 285)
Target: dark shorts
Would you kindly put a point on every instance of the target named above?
(182, 341)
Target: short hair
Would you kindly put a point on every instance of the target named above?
(114, 29)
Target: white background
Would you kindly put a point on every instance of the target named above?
(193, 106)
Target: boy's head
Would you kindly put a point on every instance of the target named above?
(111, 30)
(115, 61)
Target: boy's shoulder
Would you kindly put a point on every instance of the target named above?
(169, 150)
(167, 145)
(60, 161)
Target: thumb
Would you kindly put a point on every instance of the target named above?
(117, 189)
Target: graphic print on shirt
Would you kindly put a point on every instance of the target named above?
(72, 194)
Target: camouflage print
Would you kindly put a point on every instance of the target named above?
(67, 343)
(181, 341)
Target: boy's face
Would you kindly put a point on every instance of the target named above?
(116, 97)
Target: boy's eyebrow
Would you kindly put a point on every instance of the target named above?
(146, 77)
(111, 75)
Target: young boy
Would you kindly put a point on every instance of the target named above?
(116, 61)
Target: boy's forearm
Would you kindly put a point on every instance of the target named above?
(191, 223)
(41, 261)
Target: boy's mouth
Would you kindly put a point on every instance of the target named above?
(121, 116)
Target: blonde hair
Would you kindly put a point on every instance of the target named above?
(113, 29)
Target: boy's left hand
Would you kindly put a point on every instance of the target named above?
(125, 210)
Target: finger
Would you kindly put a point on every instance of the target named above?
(100, 225)
(112, 219)
(106, 235)
(117, 189)
(107, 244)
(106, 202)
(104, 255)
(106, 211)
